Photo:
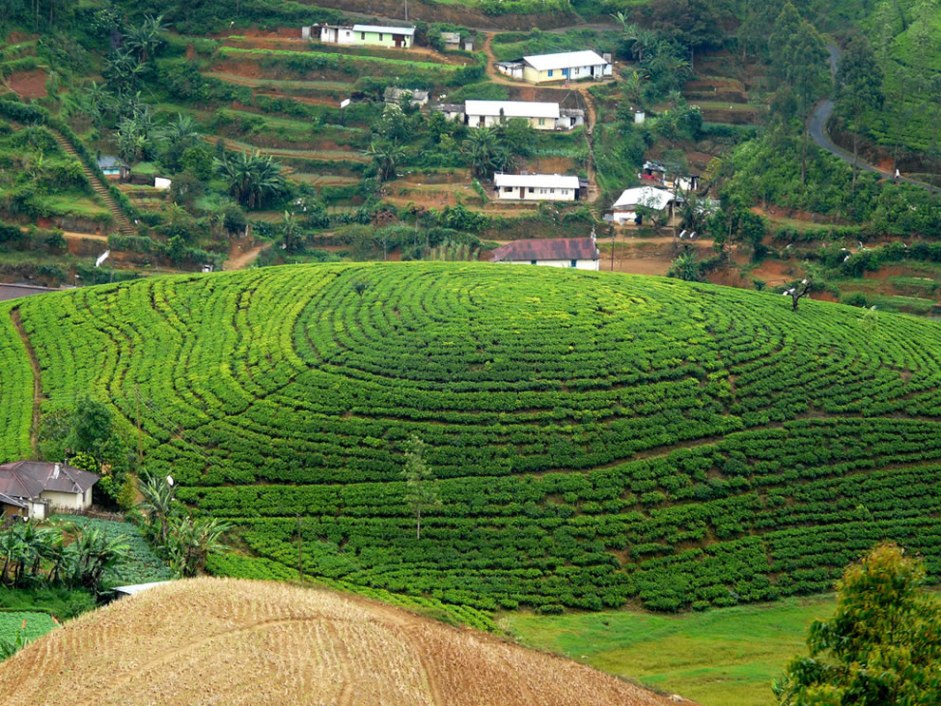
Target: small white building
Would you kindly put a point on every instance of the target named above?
(362, 35)
(564, 66)
(416, 96)
(35, 486)
(540, 116)
(536, 187)
(631, 203)
(578, 253)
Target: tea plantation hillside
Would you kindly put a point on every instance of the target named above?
(595, 439)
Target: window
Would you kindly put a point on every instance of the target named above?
(362, 35)
(551, 191)
(532, 190)
(549, 73)
(576, 73)
(542, 121)
(574, 263)
(532, 262)
(508, 189)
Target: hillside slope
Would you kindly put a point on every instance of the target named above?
(596, 438)
(241, 642)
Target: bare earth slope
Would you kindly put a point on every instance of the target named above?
(219, 641)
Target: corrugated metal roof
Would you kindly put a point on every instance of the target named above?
(554, 181)
(512, 109)
(27, 479)
(644, 196)
(547, 249)
(564, 60)
(136, 588)
(384, 29)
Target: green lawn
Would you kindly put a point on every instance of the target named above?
(721, 657)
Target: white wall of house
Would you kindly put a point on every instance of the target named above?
(494, 120)
(570, 264)
(67, 501)
(37, 509)
(535, 193)
(337, 35)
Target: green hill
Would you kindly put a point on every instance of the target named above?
(596, 439)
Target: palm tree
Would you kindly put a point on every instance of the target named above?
(387, 156)
(158, 506)
(486, 153)
(192, 541)
(251, 177)
(12, 548)
(96, 553)
(182, 131)
(145, 38)
(292, 238)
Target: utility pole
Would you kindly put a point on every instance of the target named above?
(406, 10)
(614, 237)
(300, 550)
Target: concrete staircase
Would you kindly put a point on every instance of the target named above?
(120, 222)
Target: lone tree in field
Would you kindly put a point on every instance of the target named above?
(421, 491)
(883, 645)
(798, 291)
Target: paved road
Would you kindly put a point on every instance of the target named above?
(817, 129)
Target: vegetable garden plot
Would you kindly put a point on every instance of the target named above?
(595, 438)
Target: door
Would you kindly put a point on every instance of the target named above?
(398, 40)
(522, 193)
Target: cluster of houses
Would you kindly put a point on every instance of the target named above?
(33, 489)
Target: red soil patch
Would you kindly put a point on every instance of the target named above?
(806, 216)
(248, 69)
(20, 37)
(775, 272)
(551, 165)
(28, 84)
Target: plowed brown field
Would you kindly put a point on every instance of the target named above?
(217, 641)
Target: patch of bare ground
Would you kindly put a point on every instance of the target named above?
(27, 84)
(215, 641)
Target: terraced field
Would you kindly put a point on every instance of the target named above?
(596, 439)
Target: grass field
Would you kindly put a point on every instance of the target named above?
(26, 623)
(722, 657)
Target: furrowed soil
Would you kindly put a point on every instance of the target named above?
(213, 641)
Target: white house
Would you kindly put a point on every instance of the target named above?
(36, 486)
(564, 66)
(630, 204)
(362, 35)
(536, 187)
(540, 116)
(579, 253)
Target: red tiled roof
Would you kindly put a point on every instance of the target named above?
(546, 249)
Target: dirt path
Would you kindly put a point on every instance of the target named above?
(240, 262)
(37, 385)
